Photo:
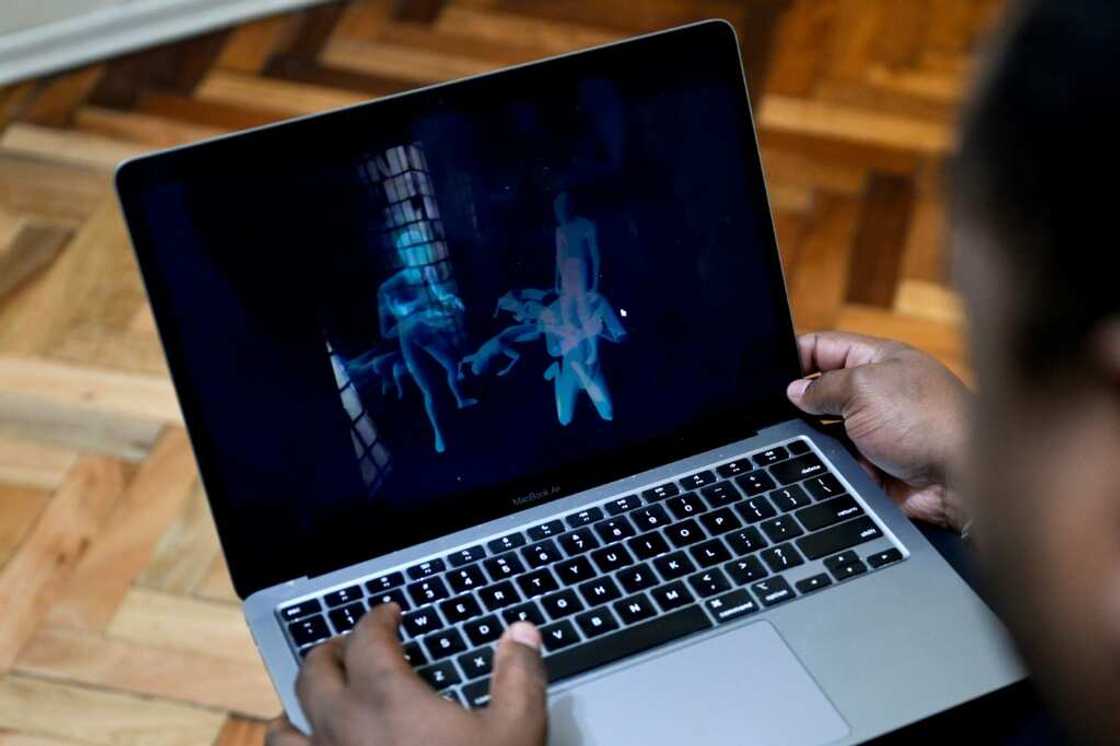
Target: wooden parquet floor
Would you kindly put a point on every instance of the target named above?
(118, 623)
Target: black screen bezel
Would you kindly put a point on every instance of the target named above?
(195, 161)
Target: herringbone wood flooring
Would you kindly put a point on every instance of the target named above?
(118, 623)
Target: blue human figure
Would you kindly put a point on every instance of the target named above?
(424, 314)
(526, 307)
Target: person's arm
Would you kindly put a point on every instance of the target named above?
(593, 250)
(904, 411)
(358, 690)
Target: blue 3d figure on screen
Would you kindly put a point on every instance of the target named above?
(425, 316)
(571, 317)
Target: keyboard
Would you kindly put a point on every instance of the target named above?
(622, 576)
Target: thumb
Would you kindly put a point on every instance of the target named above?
(517, 690)
(830, 393)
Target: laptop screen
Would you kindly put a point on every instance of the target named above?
(403, 319)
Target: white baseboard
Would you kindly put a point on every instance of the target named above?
(109, 31)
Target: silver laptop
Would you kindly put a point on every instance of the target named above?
(515, 347)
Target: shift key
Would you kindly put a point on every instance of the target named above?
(838, 538)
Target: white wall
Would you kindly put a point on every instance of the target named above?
(43, 36)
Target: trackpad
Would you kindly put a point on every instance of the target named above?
(744, 687)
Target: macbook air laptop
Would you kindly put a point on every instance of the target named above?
(516, 347)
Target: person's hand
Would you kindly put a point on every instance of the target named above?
(358, 690)
(903, 410)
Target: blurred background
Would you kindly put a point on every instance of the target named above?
(118, 624)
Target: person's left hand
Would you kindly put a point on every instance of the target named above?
(358, 690)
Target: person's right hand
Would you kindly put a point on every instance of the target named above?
(903, 410)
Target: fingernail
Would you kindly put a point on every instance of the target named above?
(797, 389)
(526, 634)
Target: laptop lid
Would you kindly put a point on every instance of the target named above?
(404, 318)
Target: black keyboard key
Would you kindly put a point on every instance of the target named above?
(309, 630)
(660, 492)
(839, 537)
(506, 543)
(427, 569)
(885, 557)
(720, 521)
(578, 541)
(849, 570)
(672, 595)
(697, 480)
(427, 591)
(343, 619)
(824, 487)
(558, 636)
(730, 606)
(710, 552)
(829, 512)
(797, 447)
(561, 604)
(746, 541)
(648, 546)
(599, 591)
(395, 596)
(844, 558)
(466, 556)
(385, 583)
(755, 482)
(611, 558)
(614, 529)
(300, 610)
(499, 595)
(584, 517)
(526, 612)
(476, 694)
(782, 528)
(771, 456)
(413, 654)
(781, 557)
(444, 643)
(772, 591)
(651, 517)
(597, 622)
(451, 694)
(635, 609)
(460, 609)
(814, 583)
(504, 566)
(756, 509)
(734, 468)
(537, 582)
(483, 630)
(684, 533)
(685, 506)
(421, 622)
(440, 675)
(798, 469)
(540, 554)
(745, 570)
(477, 662)
(575, 570)
(709, 583)
(544, 530)
(622, 504)
(630, 641)
(721, 493)
(466, 579)
(636, 578)
(347, 595)
(673, 566)
(790, 498)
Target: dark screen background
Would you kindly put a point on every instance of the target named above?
(257, 260)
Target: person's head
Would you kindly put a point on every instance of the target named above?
(562, 206)
(1034, 207)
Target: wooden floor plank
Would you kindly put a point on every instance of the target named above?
(22, 507)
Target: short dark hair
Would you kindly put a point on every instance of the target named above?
(1037, 167)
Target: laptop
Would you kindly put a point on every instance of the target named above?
(515, 348)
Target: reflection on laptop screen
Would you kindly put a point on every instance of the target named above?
(482, 300)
